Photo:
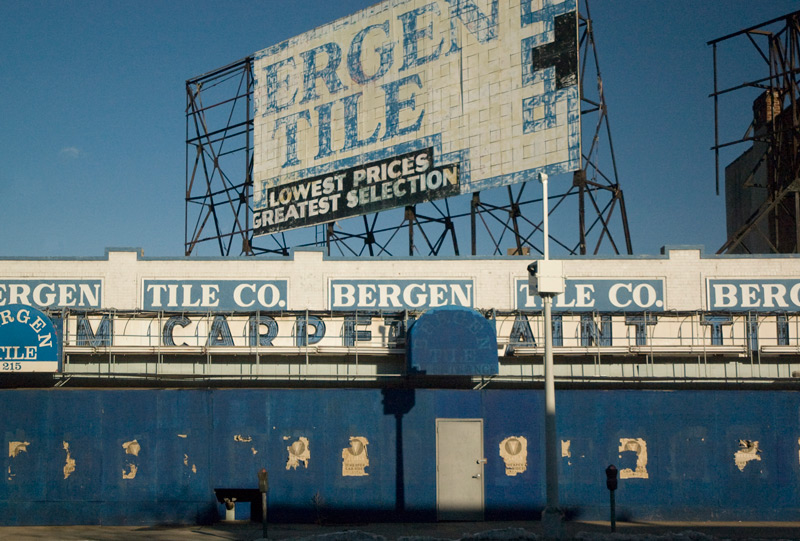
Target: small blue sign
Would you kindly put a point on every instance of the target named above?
(28, 340)
(599, 295)
(214, 295)
(450, 341)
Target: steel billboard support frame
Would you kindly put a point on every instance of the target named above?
(781, 53)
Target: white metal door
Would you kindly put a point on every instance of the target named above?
(459, 469)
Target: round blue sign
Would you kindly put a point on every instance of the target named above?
(28, 340)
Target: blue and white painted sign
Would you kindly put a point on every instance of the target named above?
(52, 293)
(399, 294)
(214, 295)
(600, 295)
(760, 294)
(28, 340)
(452, 341)
(490, 86)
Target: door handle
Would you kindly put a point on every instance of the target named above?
(478, 476)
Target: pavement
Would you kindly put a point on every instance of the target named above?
(247, 531)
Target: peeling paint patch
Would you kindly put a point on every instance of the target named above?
(638, 446)
(565, 450)
(17, 447)
(514, 452)
(253, 449)
(11, 475)
(132, 447)
(748, 450)
(186, 463)
(243, 439)
(130, 474)
(298, 452)
(182, 436)
(69, 465)
(354, 458)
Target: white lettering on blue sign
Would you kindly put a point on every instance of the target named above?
(754, 294)
(491, 86)
(51, 293)
(399, 294)
(599, 295)
(28, 340)
(206, 295)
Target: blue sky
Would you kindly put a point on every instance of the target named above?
(93, 99)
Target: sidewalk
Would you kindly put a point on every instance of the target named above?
(661, 531)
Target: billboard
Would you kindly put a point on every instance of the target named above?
(410, 101)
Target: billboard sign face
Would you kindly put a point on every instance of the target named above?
(29, 341)
(413, 100)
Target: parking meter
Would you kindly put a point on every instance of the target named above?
(611, 477)
(263, 481)
(611, 485)
(263, 487)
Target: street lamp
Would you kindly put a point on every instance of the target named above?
(546, 279)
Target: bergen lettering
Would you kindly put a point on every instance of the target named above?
(766, 295)
(399, 294)
(51, 293)
(292, 82)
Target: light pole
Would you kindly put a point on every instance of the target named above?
(547, 281)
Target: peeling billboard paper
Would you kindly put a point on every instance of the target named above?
(410, 101)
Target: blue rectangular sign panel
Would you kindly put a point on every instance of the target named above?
(52, 293)
(759, 294)
(206, 295)
(399, 294)
(600, 295)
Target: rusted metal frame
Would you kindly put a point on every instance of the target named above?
(605, 221)
(424, 235)
(206, 142)
(536, 227)
(757, 46)
(600, 219)
(219, 72)
(582, 216)
(752, 84)
(600, 106)
(446, 220)
(448, 225)
(199, 122)
(247, 239)
(513, 212)
(754, 28)
(236, 226)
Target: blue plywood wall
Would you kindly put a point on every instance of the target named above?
(192, 441)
